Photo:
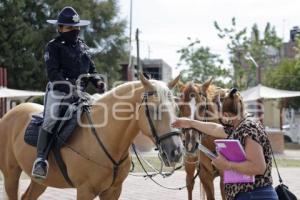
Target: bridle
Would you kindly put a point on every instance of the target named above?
(117, 163)
(205, 116)
(158, 138)
(205, 107)
(201, 134)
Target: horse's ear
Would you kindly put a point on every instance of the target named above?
(207, 83)
(180, 85)
(145, 81)
(172, 83)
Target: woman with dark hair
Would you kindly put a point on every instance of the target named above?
(236, 124)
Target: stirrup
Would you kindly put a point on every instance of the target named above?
(35, 174)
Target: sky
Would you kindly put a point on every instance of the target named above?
(165, 24)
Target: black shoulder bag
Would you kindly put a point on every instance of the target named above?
(282, 190)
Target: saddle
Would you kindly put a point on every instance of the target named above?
(63, 128)
(63, 131)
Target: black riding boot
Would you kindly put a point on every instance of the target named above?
(40, 165)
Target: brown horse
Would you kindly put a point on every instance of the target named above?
(118, 116)
(199, 102)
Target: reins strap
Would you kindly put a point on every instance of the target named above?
(165, 136)
(151, 176)
(61, 164)
(153, 130)
(115, 163)
(158, 139)
(88, 114)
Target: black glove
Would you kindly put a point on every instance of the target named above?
(101, 87)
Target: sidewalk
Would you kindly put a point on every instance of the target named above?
(137, 188)
(289, 154)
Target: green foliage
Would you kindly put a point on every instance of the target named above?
(256, 45)
(24, 34)
(39, 100)
(285, 76)
(201, 63)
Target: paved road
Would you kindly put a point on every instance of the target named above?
(137, 188)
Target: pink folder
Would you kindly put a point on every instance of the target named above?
(232, 150)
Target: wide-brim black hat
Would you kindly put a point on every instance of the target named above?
(69, 17)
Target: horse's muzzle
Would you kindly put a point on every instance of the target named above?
(171, 150)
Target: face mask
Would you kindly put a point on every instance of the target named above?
(70, 36)
(226, 120)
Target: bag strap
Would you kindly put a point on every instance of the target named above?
(279, 177)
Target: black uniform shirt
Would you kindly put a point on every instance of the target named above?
(66, 61)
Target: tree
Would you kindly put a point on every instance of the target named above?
(24, 34)
(257, 45)
(286, 76)
(201, 63)
(21, 43)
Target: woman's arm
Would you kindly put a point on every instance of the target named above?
(209, 128)
(255, 163)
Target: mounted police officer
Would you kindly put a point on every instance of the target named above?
(66, 58)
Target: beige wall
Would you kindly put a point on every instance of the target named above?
(271, 114)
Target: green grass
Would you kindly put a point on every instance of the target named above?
(292, 146)
(287, 163)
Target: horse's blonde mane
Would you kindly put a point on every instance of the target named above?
(163, 92)
(212, 91)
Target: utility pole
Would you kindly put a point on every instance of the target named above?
(129, 67)
(137, 52)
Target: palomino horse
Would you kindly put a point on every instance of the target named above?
(196, 102)
(95, 171)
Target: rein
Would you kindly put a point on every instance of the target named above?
(197, 162)
(150, 176)
(157, 171)
(116, 164)
(205, 116)
(157, 138)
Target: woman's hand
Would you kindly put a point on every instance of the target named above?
(182, 122)
(221, 163)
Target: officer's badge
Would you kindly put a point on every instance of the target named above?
(82, 46)
(76, 18)
(46, 56)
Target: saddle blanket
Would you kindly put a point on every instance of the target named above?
(64, 128)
